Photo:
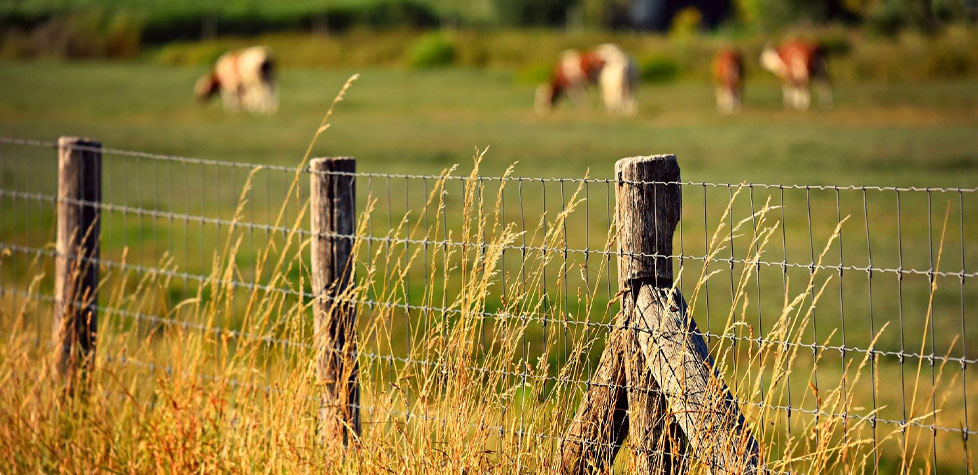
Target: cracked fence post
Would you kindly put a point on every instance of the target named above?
(333, 196)
(655, 382)
(674, 352)
(76, 261)
(646, 222)
(623, 399)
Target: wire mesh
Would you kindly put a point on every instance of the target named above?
(882, 277)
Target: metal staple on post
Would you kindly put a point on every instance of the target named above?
(76, 274)
(333, 199)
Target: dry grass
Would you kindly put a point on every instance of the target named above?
(450, 391)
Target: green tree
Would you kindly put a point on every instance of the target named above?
(771, 14)
(533, 12)
(891, 16)
(606, 13)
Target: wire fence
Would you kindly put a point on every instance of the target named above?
(886, 275)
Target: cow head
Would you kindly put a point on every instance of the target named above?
(591, 64)
(546, 96)
(206, 87)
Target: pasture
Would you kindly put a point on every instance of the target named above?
(397, 121)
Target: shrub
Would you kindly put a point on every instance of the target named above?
(835, 45)
(768, 15)
(74, 37)
(432, 50)
(122, 36)
(15, 43)
(532, 12)
(947, 62)
(687, 22)
(165, 21)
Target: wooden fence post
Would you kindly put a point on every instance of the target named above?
(333, 198)
(646, 222)
(676, 355)
(76, 262)
(655, 380)
(600, 424)
(623, 400)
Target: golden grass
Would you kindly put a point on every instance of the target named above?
(445, 387)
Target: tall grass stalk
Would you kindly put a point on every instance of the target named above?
(225, 379)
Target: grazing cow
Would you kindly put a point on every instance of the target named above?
(799, 64)
(607, 66)
(570, 77)
(245, 80)
(617, 80)
(728, 74)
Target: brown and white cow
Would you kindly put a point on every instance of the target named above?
(800, 65)
(245, 79)
(570, 77)
(728, 75)
(607, 66)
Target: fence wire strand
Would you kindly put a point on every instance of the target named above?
(905, 287)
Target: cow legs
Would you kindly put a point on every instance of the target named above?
(577, 95)
(252, 97)
(803, 97)
(788, 95)
(723, 100)
(616, 90)
(269, 101)
(629, 106)
(823, 82)
(728, 100)
(231, 99)
(796, 96)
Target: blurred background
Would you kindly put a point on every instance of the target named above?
(443, 77)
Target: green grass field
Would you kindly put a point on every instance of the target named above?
(909, 134)
(923, 134)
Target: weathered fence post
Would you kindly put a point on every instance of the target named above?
(333, 224)
(623, 400)
(649, 204)
(76, 262)
(601, 423)
(679, 411)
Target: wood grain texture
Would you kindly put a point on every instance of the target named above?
(600, 425)
(697, 397)
(672, 352)
(76, 265)
(649, 203)
(657, 443)
(680, 414)
(623, 399)
(333, 198)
